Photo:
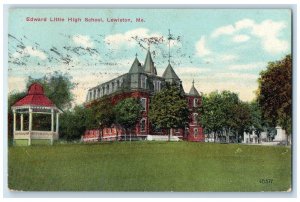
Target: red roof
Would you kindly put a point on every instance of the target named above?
(35, 97)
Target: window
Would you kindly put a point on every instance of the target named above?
(143, 81)
(91, 95)
(101, 92)
(195, 132)
(143, 125)
(195, 102)
(107, 89)
(195, 117)
(156, 85)
(110, 87)
(144, 103)
(113, 86)
(98, 92)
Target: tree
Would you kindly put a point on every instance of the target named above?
(57, 87)
(218, 113)
(128, 112)
(211, 113)
(169, 109)
(104, 115)
(275, 93)
(242, 120)
(75, 122)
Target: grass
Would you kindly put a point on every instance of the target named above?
(149, 166)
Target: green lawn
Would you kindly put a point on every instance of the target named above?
(149, 166)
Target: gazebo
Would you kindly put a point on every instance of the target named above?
(35, 102)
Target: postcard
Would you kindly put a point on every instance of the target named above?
(150, 100)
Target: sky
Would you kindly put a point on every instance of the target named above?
(220, 49)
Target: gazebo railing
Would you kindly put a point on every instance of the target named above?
(21, 135)
(36, 135)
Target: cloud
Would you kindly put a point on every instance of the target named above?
(126, 39)
(244, 90)
(240, 38)
(83, 41)
(258, 65)
(244, 24)
(239, 76)
(267, 31)
(190, 70)
(225, 30)
(16, 83)
(201, 49)
(227, 57)
(30, 51)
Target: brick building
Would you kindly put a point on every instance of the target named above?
(142, 82)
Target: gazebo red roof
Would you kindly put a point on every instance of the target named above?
(35, 97)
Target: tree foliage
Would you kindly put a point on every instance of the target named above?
(275, 93)
(104, 115)
(128, 112)
(224, 113)
(73, 123)
(169, 109)
(57, 87)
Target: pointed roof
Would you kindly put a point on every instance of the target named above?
(149, 64)
(35, 97)
(193, 90)
(136, 67)
(169, 73)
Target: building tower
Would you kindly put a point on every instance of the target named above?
(195, 131)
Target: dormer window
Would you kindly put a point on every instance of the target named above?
(157, 85)
(143, 81)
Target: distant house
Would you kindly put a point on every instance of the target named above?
(142, 82)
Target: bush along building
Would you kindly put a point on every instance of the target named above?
(142, 82)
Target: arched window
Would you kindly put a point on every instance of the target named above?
(143, 125)
(144, 103)
(195, 102)
(195, 118)
(195, 132)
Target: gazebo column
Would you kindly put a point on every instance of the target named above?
(52, 120)
(57, 123)
(30, 126)
(52, 126)
(15, 119)
(22, 127)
